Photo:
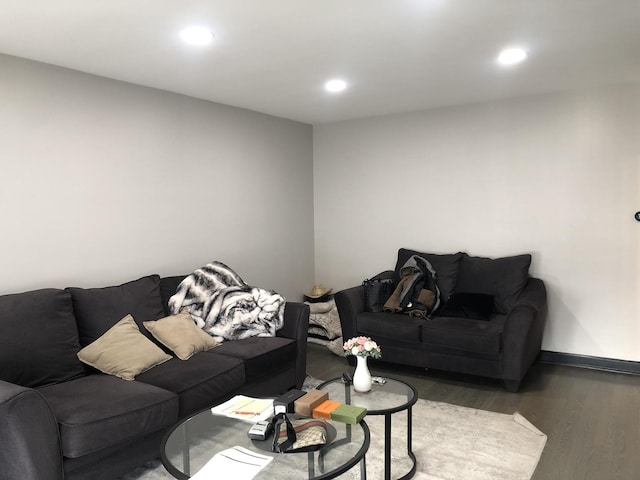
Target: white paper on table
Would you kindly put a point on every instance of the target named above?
(245, 408)
(236, 462)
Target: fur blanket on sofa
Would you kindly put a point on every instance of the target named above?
(225, 307)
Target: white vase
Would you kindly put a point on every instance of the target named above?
(362, 376)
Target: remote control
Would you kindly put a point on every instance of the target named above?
(260, 431)
(378, 380)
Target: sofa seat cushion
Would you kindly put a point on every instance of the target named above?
(261, 355)
(39, 338)
(98, 411)
(464, 334)
(199, 382)
(98, 309)
(399, 326)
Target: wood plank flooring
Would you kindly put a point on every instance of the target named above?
(591, 418)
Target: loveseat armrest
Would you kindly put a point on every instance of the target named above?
(350, 303)
(30, 439)
(522, 334)
(296, 327)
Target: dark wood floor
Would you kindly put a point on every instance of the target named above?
(591, 418)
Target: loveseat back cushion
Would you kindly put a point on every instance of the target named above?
(445, 265)
(504, 278)
(38, 338)
(97, 411)
(99, 309)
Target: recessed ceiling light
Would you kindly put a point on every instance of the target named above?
(196, 35)
(335, 85)
(511, 56)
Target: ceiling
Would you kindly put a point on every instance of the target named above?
(273, 56)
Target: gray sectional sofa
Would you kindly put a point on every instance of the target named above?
(61, 419)
(490, 322)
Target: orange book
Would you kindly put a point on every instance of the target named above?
(325, 408)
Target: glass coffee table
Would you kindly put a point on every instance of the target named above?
(391, 397)
(195, 440)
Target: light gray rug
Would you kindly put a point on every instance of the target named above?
(449, 441)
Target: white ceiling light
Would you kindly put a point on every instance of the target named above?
(511, 56)
(196, 36)
(335, 85)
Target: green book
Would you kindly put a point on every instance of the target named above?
(348, 414)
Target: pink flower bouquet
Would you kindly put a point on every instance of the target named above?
(362, 347)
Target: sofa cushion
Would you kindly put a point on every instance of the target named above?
(468, 305)
(38, 338)
(123, 351)
(98, 309)
(168, 288)
(445, 265)
(399, 326)
(97, 411)
(261, 355)
(505, 278)
(200, 382)
(464, 334)
(181, 335)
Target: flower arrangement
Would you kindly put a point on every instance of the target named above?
(362, 347)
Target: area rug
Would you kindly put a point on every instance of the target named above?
(450, 443)
(458, 443)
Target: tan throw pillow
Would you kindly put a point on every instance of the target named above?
(180, 334)
(123, 351)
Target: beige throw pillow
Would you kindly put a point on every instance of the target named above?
(123, 351)
(180, 334)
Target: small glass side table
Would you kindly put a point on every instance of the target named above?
(386, 399)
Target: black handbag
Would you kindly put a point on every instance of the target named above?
(376, 292)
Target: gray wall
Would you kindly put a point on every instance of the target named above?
(103, 181)
(554, 175)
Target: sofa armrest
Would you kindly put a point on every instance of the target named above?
(523, 330)
(296, 327)
(30, 439)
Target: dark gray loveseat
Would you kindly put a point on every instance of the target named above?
(60, 419)
(502, 342)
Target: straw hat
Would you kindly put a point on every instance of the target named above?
(318, 291)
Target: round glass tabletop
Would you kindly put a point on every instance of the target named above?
(191, 444)
(390, 397)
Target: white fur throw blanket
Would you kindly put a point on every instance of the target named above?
(225, 307)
